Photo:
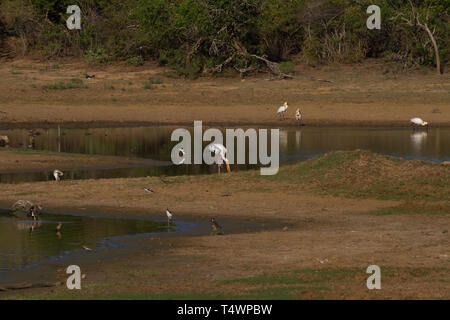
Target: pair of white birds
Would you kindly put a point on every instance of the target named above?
(218, 149)
(282, 110)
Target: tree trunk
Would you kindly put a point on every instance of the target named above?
(436, 49)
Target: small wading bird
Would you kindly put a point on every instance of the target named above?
(149, 190)
(33, 212)
(418, 122)
(219, 150)
(57, 174)
(216, 228)
(298, 116)
(86, 248)
(169, 216)
(89, 76)
(281, 110)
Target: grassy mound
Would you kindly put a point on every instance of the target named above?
(363, 174)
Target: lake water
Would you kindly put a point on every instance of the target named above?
(296, 144)
(24, 243)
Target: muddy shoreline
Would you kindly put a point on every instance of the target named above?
(48, 273)
(281, 124)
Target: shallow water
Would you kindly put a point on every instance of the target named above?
(296, 144)
(24, 243)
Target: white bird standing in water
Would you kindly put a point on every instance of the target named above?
(57, 174)
(416, 122)
(282, 109)
(169, 216)
(219, 150)
(298, 115)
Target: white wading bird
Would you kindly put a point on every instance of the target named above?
(298, 115)
(57, 174)
(169, 216)
(416, 122)
(282, 109)
(219, 150)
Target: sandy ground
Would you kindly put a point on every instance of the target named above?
(19, 160)
(358, 94)
(321, 233)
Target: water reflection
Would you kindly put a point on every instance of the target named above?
(26, 242)
(418, 139)
(296, 144)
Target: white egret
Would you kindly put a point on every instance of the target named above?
(281, 110)
(57, 174)
(219, 150)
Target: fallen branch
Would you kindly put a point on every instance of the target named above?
(273, 67)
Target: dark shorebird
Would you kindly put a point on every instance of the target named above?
(33, 212)
(216, 228)
(87, 76)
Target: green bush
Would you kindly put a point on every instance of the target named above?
(194, 37)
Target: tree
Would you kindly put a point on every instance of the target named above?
(415, 20)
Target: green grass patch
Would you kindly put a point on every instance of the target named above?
(74, 83)
(362, 174)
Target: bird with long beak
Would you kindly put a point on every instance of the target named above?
(416, 122)
(219, 150)
(281, 110)
(57, 174)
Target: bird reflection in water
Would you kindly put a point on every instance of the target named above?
(418, 138)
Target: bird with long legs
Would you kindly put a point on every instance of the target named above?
(282, 110)
(220, 151)
(169, 217)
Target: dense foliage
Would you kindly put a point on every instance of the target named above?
(212, 36)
